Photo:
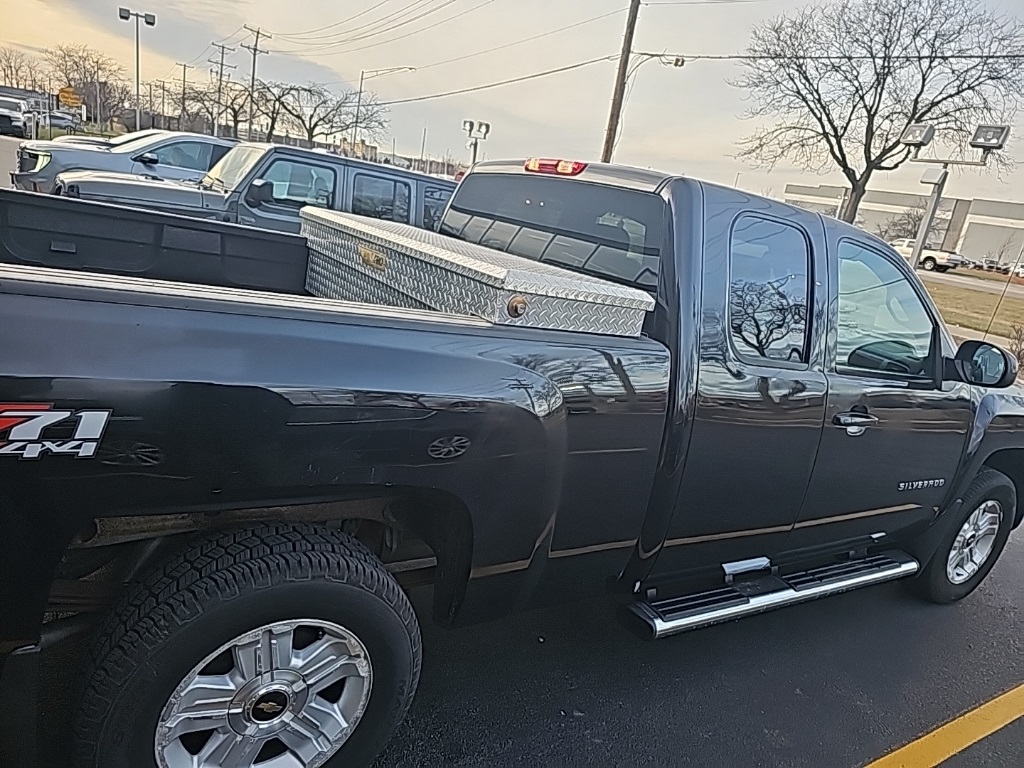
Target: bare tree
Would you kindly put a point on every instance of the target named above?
(98, 78)
(268, 101)
(17, 68)
(313, 111)
(235, 105)
(906, 224)
(201, 103)
(840, 82)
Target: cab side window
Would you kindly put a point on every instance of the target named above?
(884, 325)
(769, 291)
(381, 198)
(298, 184)
(434, 201)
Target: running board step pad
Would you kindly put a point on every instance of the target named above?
(670, 616)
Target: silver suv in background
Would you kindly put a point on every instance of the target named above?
(167, 154)
(265, 185)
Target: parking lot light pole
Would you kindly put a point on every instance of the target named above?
(987, 138)
(126, 14)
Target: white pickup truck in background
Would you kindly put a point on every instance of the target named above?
(932, 259)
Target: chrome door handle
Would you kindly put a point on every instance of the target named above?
(855, 422)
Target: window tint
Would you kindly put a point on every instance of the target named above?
(380, 198)
(610, 232)
(297, 183)
(193, 155)
(434, 201)
(769, 274)
(883, 323)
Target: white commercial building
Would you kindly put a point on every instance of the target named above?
(977, 229)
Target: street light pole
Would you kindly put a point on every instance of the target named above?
(126, 14)
(929, 216)
(363, 76)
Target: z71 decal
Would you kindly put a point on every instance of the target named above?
(22, 428)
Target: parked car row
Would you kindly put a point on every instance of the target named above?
(251, 183)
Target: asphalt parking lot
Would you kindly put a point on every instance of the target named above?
(840, 682)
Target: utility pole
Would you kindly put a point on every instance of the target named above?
(163, 103)
(423, 147)
(220, 81)
(620, 83)
(184, 92)
(256, 51)
(151, 107)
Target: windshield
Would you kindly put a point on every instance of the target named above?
(232, 168)
(13, 106)
(609, 232)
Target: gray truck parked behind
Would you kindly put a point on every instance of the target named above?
(265, 185)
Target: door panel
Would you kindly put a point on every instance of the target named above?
(760, 392)
(885, 474)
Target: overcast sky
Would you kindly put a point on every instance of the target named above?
(683, 120)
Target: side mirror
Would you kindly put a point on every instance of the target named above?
(148, 158)
(260, 191)
(984, 364)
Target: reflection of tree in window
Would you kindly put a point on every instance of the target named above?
(768, 294)
(380, 198)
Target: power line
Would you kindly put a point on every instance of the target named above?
(524, 40)
(679, 60)
(370, 28)
(323, 51)
(333, 25)
(510, 81)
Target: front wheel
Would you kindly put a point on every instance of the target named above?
(974, 541)
(280, 645)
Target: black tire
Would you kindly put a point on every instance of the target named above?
(928, 265)
(933, 583)
(219, 588)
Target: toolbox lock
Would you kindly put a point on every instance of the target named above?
(517, 306)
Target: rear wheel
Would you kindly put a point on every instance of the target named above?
(283, 645)
(972, 545)
(928, 265)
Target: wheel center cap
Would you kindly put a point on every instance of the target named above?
(269, 706)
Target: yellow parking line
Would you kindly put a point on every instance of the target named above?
(954, 737)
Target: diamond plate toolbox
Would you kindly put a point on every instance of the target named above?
(381, 262)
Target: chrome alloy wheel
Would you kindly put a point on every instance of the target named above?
(286, 695)
(974, 543)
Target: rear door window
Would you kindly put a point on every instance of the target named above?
(381, 198)
(609, 232)
(434, 201)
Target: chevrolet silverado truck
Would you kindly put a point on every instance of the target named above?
(224, 486)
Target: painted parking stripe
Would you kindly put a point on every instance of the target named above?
(954, 737)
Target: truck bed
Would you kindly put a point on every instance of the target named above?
(63, 233)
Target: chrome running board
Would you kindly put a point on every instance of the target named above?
(661, 618)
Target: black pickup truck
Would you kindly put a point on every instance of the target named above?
(225, 484)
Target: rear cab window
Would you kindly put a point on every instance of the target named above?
(613, 233)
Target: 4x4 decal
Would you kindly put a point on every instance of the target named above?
(23, 428)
